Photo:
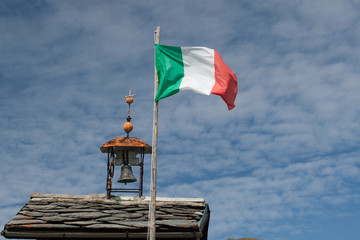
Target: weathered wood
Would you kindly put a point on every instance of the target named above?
(67, 196)
(152, 207)
(101, 235)
(181, 203)
(35, 197)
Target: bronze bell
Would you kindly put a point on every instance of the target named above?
(126, 175)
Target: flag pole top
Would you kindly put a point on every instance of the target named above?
(129, 99)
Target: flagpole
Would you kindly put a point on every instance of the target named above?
(152, 207)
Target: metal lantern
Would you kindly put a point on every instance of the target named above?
(126, 152)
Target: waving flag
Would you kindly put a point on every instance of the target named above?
(199, 69)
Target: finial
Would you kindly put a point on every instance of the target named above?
(128, 127)
(129, 98)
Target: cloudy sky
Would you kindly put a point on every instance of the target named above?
(284, 164)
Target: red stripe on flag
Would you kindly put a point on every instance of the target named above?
(225, 81)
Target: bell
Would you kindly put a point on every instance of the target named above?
(126, 175)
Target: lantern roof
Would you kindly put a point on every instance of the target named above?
(126, 143)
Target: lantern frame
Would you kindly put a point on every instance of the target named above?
(123, 146)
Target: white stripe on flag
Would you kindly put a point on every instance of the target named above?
(199, 70)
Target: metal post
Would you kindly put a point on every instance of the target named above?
(110, 172)
(152, 207)
(141, 172)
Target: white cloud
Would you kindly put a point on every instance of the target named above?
(280, 164)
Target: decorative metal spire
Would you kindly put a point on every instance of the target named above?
(128, 127)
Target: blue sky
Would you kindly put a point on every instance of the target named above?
(284, 164)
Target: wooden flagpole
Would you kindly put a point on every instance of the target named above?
(152, 207)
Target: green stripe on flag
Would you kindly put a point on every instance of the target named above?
(170, 69)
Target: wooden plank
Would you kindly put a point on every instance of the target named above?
(67, 196)
(98, 235)
(93, 197)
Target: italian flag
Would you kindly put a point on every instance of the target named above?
(199, 69)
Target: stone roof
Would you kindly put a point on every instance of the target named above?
(49, 216)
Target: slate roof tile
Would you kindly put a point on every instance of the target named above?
(74, 215)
